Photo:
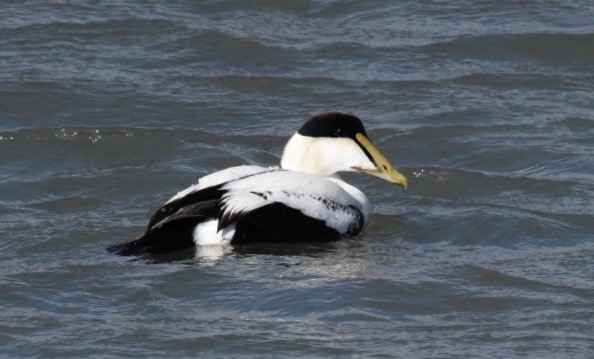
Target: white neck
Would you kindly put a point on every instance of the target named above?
(323, 156)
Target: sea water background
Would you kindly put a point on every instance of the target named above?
(108, 108)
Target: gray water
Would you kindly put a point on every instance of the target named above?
(108, 108)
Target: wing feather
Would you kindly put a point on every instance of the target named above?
(263, 204)
(221, 177)
(208, 188)
(314, 196)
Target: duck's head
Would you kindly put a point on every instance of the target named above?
(334, 142)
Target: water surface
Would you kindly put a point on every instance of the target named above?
(108, 109)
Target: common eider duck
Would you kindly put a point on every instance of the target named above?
(302, 200)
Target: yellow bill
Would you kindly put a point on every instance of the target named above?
(384, 170)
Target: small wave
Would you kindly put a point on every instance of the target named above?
(547, 47)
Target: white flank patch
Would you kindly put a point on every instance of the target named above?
(205, 234)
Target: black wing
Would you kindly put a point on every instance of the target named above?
(277, 222)
(171, 227)
(171, 208)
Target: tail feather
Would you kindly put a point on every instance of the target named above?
(143, 245)
(165, 239)
(172, 233)
(135, 247)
